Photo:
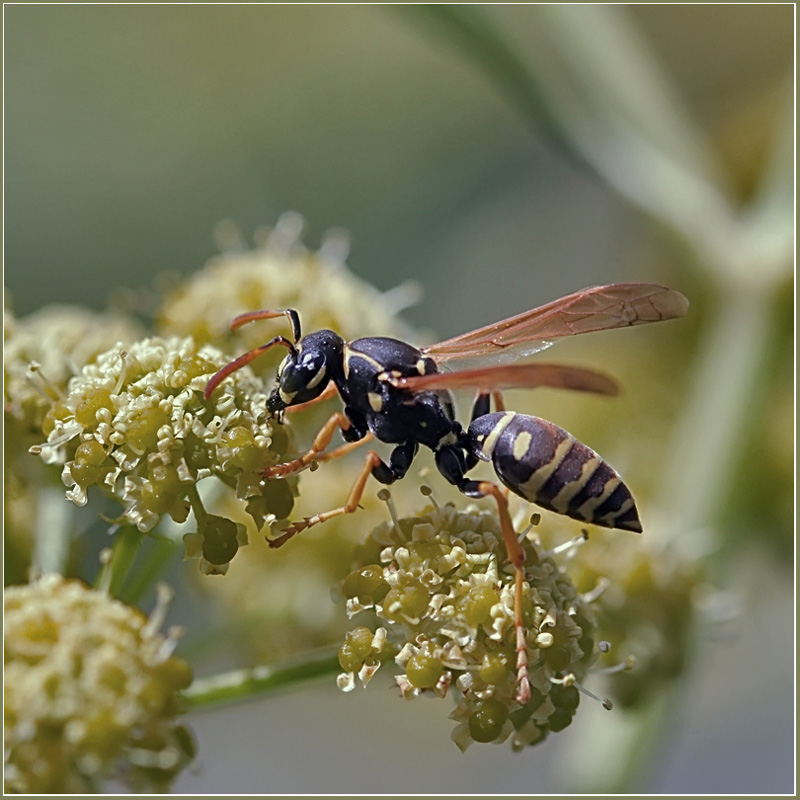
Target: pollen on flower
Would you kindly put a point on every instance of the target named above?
(444, 593)
(91, 692)
(137, 426)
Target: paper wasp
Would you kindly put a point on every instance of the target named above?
(397, 393)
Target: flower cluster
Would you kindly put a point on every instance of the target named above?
(46, 348)
(439, 584)
(280, 273)
(288, 612)
(662, 588)
(91, 692)
(135, 422)
(42, 351)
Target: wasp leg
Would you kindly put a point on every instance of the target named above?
(322, 440)
(482, 404)
(344, 449)
(329, 391)
(480, 407)
(516, 555)
(373, 465)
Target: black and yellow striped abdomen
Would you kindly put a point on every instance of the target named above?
(548, 466)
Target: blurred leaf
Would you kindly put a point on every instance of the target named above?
(617, 80)
(588, 81)
(470, 29)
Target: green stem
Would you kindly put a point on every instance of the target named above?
(156, 558)
(705, 456)
(243, 683)
(123, 553)
(197, 505)
(618, 748)
(54, 517)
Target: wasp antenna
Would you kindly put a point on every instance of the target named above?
(238, 363)
(252, 316)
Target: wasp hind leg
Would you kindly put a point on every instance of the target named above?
(516, 556)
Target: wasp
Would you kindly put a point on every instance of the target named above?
(402, 395)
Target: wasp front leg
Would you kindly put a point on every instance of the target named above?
(320, 444)
(397, 467)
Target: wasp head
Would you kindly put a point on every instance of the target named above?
(304, 374)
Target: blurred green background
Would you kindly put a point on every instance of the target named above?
(131, 131)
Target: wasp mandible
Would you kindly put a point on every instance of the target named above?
(397, 393)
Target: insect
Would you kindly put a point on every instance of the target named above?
(400, 395)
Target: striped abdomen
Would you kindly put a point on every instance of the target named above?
(548, 466)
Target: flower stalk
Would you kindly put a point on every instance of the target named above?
(240, 684)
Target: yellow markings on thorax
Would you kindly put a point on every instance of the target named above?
(375, 401)
(538, 478)
(349, 354)
(488, 444)
(561, 501)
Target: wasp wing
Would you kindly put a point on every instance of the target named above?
(511, 376)
(597, 308)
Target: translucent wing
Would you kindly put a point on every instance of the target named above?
(597, 308)
(511, 376)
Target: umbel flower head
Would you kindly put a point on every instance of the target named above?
(663, 588)
(280, 273)
(441, 588)
(90, 692)
(42, 351)
(135, 423)
(46, 348)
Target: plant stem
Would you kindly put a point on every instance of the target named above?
(156, 556)
(474, 32)
(123, 553)
(200, 513)
(243, 683)
(53, 526)
(725, 376)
